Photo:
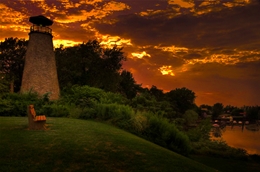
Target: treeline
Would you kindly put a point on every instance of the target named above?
(94, 86)
(250, 113)
(93, 65)
(96, 66)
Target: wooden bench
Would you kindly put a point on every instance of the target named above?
(35, 122)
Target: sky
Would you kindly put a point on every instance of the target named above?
(211, 47)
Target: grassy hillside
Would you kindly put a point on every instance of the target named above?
(80, 145)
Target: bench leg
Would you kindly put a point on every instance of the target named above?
(38, 125)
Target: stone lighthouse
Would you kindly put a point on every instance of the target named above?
(40, 73)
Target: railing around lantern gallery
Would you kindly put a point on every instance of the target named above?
(43, 29)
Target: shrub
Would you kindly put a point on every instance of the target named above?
(190, 117)
(139, 123)
(110, 98)
(218, 149)
(54, 110)
(82, 113)
(118, 115)
(162, 132)
(14, 104)
(83, 96)
(200, 132)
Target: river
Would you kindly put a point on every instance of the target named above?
(246, 139)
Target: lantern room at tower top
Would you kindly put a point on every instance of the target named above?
(40, 24)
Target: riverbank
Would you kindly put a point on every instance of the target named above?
(241, 138)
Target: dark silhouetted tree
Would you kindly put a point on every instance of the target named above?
(12, 55)
(181, 99)
(128, 85)
(157, 93)
(217, 110)
(90, 64)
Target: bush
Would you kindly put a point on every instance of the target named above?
(190, 117)
(88, 113)
(218, 149)
(13, 104)
(54, 110)
(110, 98)
(139, 123)
(200, 132)
(82, 96)
(162, 132)
(118, 115)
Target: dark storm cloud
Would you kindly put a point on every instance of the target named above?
(234, 28)
(161, 58)
(192, 56)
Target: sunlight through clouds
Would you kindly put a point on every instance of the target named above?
(83, 15)
(10, 16)
(140, 55)
(199, 42)
(166, 70)
(44, 6)
(110, 41)
(172, 49)
(115, 6)
(181, 3)
(65, 43)
(238, 57)
(12, 20)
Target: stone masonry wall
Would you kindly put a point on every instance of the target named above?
(40, 73)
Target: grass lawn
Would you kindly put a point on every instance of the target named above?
(81, 145)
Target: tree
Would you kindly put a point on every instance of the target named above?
(128, 85)
(217, 110)
(182, 99)
(90, 64)
(190, 117)
(157, 93)
(12, 55)
(3, 85)
(253, 112)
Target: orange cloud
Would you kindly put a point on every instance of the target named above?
(172, 49)
(9, 16)
(166, 70)
(181, 3)
(65, 43)
(141, 55)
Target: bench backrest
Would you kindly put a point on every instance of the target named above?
(32, 111)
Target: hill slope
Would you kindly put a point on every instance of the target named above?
(80, 145)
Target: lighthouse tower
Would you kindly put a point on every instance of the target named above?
(40, 73)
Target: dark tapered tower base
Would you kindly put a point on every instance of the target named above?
(40, 73)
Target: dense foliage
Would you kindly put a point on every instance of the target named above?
(12, 54)
(94, 86)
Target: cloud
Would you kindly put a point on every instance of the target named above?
(229, 28)
(211, 47)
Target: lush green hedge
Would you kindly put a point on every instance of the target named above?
(91, 103)
(166, 134)
(13, 104)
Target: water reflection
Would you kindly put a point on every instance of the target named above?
(247, 138)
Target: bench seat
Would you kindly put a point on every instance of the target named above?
(35, 122)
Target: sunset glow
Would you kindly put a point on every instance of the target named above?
(166, 70)
(210, 47)
(141, 55)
